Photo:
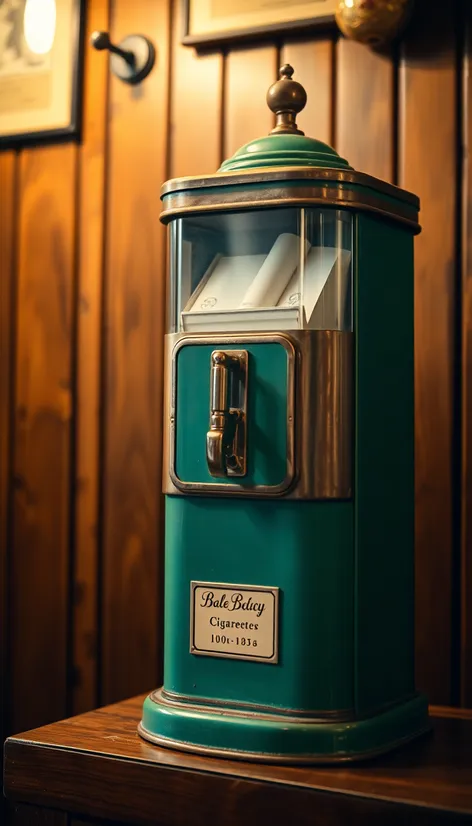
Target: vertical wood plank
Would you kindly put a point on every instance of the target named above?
(313, 64)
(39, 556)
(8, 166)
(466, 481)
(7, 328)
(249, 73)
(427, 166)
(365, 110)
(87, 432)
(195, 106)
(131, 603)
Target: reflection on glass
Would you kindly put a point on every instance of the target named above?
(40, 25)
(279, 269)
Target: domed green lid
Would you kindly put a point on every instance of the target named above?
(286, 145)
(284, 150)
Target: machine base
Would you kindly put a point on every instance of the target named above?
(226, 732)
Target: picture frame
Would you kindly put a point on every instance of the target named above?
(41, 63)
(213, 23)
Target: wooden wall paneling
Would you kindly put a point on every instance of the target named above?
(87, 431)
(427, 167)
(248, 75)
(313, 64)
(132, 506)
(8, 166)
(39, 550)
(85, 821)
(195, 106)
(466, 480)
(21, 814)
(7, 328)
(365, 109)
(74, 821)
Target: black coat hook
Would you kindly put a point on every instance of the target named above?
(132, 59)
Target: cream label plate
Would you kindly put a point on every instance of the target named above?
(238, 621)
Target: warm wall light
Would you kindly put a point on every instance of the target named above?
(40, 25)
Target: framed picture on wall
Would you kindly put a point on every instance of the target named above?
(40, 69)
(214, 22)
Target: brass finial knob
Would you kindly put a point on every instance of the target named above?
(286, 98)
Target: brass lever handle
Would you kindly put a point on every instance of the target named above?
(226, 439)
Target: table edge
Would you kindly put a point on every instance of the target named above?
(17, 744)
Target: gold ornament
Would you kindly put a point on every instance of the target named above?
(373, 22)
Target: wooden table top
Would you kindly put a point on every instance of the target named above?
(96, 765)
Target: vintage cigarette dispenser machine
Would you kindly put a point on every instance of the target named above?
(288, 469)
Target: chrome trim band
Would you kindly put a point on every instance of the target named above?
(186, 203)
(289, 173)
(264, 757)
(324, 409)
(238, 708)
(172, 699)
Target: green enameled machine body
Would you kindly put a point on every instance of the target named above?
(337, 547)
